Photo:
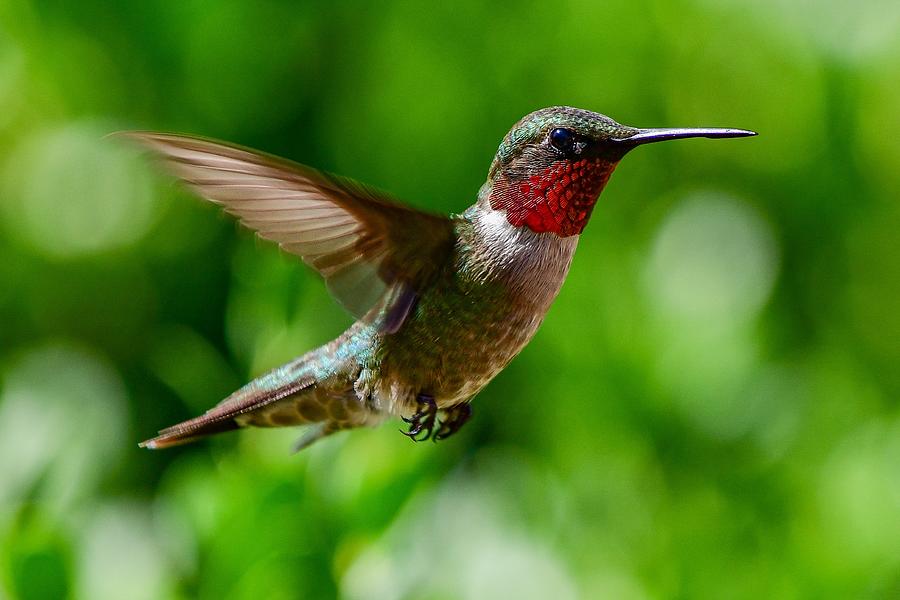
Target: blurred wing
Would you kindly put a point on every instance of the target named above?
(370, 250)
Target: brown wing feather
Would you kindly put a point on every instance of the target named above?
(368, 248)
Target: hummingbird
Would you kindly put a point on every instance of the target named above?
(442, 303)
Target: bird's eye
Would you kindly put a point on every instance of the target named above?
(563, 140)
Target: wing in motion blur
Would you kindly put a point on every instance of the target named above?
(372, 251)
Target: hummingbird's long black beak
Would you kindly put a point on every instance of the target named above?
(648, 136)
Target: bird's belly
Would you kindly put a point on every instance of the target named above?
(451, 363)
(474, 353)
(455, 344)
(475, 318)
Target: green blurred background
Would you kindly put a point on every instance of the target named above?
(709, 411)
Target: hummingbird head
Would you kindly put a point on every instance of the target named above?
(553, 164)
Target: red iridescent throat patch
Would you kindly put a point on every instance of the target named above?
(559, 200)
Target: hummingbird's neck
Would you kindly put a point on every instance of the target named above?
(557, 199)
(531, 265)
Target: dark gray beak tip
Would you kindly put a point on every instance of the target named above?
(735, 133)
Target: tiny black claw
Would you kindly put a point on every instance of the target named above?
(456, 418)
(423, 419)
(412, 433)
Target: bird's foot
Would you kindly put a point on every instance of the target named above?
(456, 418)
(423, 420)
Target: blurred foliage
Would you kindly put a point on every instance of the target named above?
(709, 411)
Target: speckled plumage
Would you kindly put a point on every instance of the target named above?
(485, 305)
(444, 303)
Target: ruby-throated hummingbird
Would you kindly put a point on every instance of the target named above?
(443, 303)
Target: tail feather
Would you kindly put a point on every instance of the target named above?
(221, 418)
(167, 439)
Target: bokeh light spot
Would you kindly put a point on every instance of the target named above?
(119, 552)
(62, 424)
(714, 260)
(71, 192)
(860, 494)
(481, 554)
